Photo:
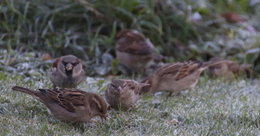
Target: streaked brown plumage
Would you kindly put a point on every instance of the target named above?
(122, 93)
(175, 77)
(69, 105)
(67, 72)
(228, 70)
(134, 51)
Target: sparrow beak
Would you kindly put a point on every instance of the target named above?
(69, 67)
(118, 89)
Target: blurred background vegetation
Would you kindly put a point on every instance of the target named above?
(180, 30)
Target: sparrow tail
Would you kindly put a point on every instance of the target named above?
(158, 58)
(146, 89)
(205, 65)
(24, 90)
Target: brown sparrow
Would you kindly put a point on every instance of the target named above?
(67, 72)
(134, 51)
(68, 105)
(122, 93)
(228, 70)
(176, 77)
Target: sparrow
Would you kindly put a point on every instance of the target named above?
(134, 51)
(228, 70)
(175, 77)
(69, 105)
(123, 94)
(67, 72)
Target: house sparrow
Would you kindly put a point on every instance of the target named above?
(228, 70)
(134, 51)
(67, 72)
(122, 93)
(176, 77)
(68, 105)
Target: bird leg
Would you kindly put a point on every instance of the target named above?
(170, 94)
(124, 69)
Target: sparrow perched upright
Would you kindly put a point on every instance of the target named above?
(67, 72)
(69, 105)
(134, 51)
(227, 70)
(122, 93)
(176, 77)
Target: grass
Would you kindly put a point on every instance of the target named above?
(87, 28)
(214, 107)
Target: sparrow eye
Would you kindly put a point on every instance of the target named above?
(64, 63)
(75, 63)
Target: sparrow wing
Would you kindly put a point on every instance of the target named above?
(67, 99)
(133, 43)
(134, 47)
(178, 70)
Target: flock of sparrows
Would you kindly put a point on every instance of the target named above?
(134, 53)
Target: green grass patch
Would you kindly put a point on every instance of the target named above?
(214, 107)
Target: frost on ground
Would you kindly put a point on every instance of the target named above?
(214, 107)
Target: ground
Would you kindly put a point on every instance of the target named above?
(214, 107)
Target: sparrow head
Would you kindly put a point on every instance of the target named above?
(128, 33)
(117, 85)
(69, 62)
(113, 88)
